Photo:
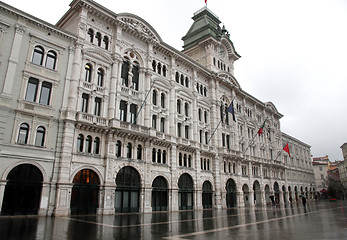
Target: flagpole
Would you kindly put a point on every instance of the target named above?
(254, 138)
(278, 154)
(144, 101)
(219, 121)
(250, 143)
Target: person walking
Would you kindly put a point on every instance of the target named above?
(303, 200)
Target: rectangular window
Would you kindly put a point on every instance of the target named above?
(223, 139)
(85, 100)
(179, 134)
(97, 107)
(154, 121)
(133, 112)
(123, 111)
(228, 141)
(162, 124)
(45, 95)
(32, 90)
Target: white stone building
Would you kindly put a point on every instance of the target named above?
(130, 124)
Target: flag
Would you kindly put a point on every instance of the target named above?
(286, 149)
(205, 1)
(232, 110)
(260, 131)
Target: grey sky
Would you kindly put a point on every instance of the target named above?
(294, 54)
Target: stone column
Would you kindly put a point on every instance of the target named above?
(13, 62)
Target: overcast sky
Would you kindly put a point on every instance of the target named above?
(293, 53)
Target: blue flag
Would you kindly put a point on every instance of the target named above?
(231, 110)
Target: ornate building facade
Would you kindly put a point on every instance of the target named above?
(99, 115)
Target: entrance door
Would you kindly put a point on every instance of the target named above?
(207, 195)
(159, 194)
(23, 191)
(85, 193)
(128, 190)
(185, 192)
(231, 193)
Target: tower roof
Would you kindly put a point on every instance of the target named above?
(206, 24)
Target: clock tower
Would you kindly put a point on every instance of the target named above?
(209, 44)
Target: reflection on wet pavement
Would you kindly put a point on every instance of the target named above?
(318, 220)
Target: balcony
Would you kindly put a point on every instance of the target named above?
(92, 119)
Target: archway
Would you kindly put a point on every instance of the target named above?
(85, 193)
(22, 191)
(290, 194)
(257, 193)
(207, 193)
(284, 194)
(185, 192)
(128, 190)
(296, 193)
(277, 192)
(231, 193)
(159, 194)
(267, 194)
(245, 190)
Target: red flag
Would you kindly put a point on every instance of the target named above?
(205, 1)
(260, 131)
(286, 149)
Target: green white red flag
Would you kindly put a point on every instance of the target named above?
(261, 129)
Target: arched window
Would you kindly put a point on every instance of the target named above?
(164, 70)
(201, 89)
(189, 160)
(154, 65)
(51, 59)
(38, 55)
(98, 38)
(185, 160)
(23, 133)
(187, 82)
(89, 141)
(100, 77)
(186, 109)
(125, 73)
(129, 150)
(139, 152)
(118, 149)
(159, 156)
(154, 152)
(80, 141)
(40, 136)
(154, 97)
(88, 73)
(159, 68)
(106, 41)
(135, 78)
(91, 35)
(214, 61)
(199, 114)
(208, 164)
(178, 106)
(180, 159)
(162, 100)
(182, 79)
(96, 148)
(177, 77)
(205, 92)
(205, 116)
(164, 157)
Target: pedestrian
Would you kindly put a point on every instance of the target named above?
(272, 198)
(303, 200)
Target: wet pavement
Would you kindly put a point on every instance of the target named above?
(318, 220)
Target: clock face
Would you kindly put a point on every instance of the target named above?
(221, 51)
